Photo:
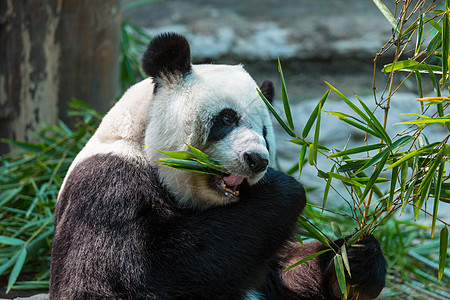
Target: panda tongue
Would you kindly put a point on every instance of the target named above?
(232, 181)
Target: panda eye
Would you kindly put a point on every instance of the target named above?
(229, 119)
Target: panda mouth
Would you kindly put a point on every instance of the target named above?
(229, 185)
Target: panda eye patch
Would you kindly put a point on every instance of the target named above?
(222, 124)
(229, 118)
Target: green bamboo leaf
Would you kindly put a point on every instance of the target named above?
(340, 274)
(424, 188)
(203, 157)
(408, 65)
(345, 258)
(445, 46)
(6, 240)
(327, 189)
(435, 24)
(437, 195)
(438, 120)
(394, 176)
(419, 83)
(350, 104)
(443, 247)
(301, 160)
(309, 257)
(361, 127)
(403, 179)
(344, 179)
(375, 125)
(284, 96)
(401, 142)
(387, 14)
(17, 268)
(419, 33)
(7, 195)
(434, 44)
(374, 176)
(314, 231)
(177, 154)
(358, 150)
(437, 91)
(312, 156)
(314, 113)
(352, 165)
(277, 116)
(412, 154)
(191, 165)
(336, 230)
(316, 134)
(355, 237)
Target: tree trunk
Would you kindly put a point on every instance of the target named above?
(53, 51)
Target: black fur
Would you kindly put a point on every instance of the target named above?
(265, 137)
(268, 90)
(220, 128)
(119, 234)
(169, 55)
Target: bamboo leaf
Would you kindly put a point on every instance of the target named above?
(355, 237)
(340, 274)
(437, 195)
(301, 160)
(336, 230)
(419, 33)
(309, 257)
(345, 258)
(284, 96)
(408, 65)
(6, 240)
(361, 127)
(438, 120)
(350, 104)
(314, 231)
(437, 91)
(345, 179)
(316, 134)
(387, 14)
(392, 187)
(314, 113)
(327, 189)
(311, 155)
(17, 268)
(358, 150)
(375, 125)
(445, 46)
(425, 185)
(374, 176)
(276, 115)
(419, 83)
(443, 247)
(412, 154)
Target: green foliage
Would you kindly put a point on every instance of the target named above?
(29, 183)
(415, 167)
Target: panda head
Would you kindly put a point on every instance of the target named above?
(215, 108)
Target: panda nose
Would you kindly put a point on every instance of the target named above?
(255, 162)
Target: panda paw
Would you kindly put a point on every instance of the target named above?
(367, 267)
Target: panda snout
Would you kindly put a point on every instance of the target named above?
(255, 162)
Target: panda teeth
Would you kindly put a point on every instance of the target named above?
(229, 191)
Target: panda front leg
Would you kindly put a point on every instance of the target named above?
(316, 278)
(223, 252)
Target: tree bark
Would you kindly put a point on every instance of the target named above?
(53, 51)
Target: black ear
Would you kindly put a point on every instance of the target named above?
(167, 54)
(267, 90)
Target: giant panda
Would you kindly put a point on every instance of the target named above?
(127, 228)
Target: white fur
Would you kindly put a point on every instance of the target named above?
(122, 129)
(181, 113)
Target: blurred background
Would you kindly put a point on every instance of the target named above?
(57, 56)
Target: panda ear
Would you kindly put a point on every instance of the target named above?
(167, 55)
(267, 90)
